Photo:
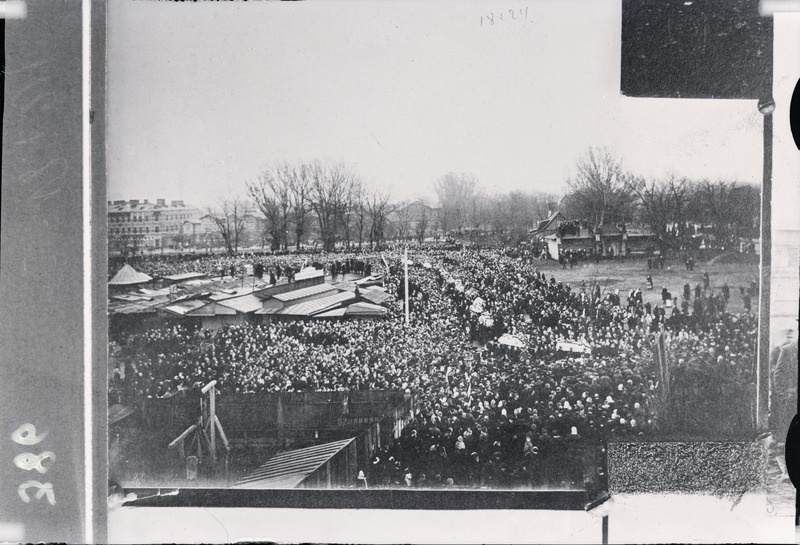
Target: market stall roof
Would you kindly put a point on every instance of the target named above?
(365, 309)
(230, 293)
(375, 296)
(185, 307)
(132, 307)
(246, 304)
(289, 469)
(185, 276)
(303, 292)
(335, 313)
(127, 275)
(311, 308)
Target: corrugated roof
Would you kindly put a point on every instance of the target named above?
(348, 285)
(212, 309)
(185, 307)
(289, 469)
(133, 307)
(230, 293)
(128, 275)
(310, 308)
(375, 296)
(365, 309)
(335, 313)
(248, 303)
(162, 291)
(303, 292)
(184, 276)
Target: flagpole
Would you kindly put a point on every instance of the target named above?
(405, 265)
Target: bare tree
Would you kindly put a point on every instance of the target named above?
(513, 214)
(422, 222)
(329, 193)
(229, 218)
(348, 212)
(728, 209)
(456, 193)
(600, 190)
(271, 193)
(378, 207)
(403, 214)
(299, 189)
(361, 212)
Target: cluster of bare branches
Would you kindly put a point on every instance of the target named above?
(329, 202)
(229, 217)
(602, 192)
(326, 199)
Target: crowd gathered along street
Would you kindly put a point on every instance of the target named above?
(491, 414)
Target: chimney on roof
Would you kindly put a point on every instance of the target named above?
(109, 203)
(161, 202)
(145, 201)
(177, 203)
(133, 202)
(119, 202)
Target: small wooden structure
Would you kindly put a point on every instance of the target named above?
(203, 434)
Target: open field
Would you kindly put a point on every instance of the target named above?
(632, 273)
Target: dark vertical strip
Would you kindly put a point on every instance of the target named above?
(2, 102)
(99, 249)
(766, 267)
(41, 293)
(605, 530)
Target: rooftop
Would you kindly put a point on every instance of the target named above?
(135, 205)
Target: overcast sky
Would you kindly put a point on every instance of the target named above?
(202, 95)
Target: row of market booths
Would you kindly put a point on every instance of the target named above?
(137, 300)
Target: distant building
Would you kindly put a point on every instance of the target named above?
(203, 232)
(135, 225)
(549, 225)
(415, 219)
(608, 240)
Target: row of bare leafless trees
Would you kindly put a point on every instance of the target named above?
(331, 200)
(292, 197)
(602, 192)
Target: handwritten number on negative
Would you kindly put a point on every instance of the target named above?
(43, 489)
(26, 435)
(29, 460)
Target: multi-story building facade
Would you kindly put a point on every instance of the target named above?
(135, 225)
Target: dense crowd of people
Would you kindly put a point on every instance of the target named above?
(532, 413)
(260, 264)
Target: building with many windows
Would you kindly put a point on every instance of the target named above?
(135, 226)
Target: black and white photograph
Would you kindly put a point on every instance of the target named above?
(450, 271)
